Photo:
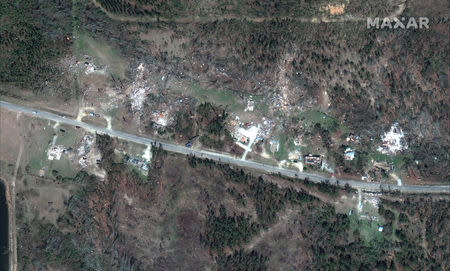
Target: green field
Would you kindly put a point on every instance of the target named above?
(64, 167)
(312, 117)
(70, 137)
(103, 52)
(225, 98)
(367, 229)
(396, 160)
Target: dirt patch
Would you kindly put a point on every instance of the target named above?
(10, 135)
(42, 199)
(165, 41)
(98, 121)
(337, 9)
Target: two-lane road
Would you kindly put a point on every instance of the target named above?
(224, 158)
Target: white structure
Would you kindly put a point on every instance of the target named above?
(349, 154)
(55, 152)
(392, 140)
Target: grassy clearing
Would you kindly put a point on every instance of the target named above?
(217, 96)
(36, 157)
(64, 167)
(260, 159)
(396, 160)
(113, 112)
(135, 150)
(68, 138)
(103, 52)
(307, 147)
(260, 105)
(137, 173)
(368, 229)
(286, 146)
(282, 153)
(37, 161)
(312, 117)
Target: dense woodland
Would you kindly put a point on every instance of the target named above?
(33, 36)
(241, 8)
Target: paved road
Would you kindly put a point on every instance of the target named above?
(224, 158)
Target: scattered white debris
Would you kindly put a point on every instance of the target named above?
(371, 199)
(251, 133)
(86, 143)
(138, 95)
(139, 163)
(108, 122)
(250, 106)
(395, 177)
(392, 141)
(161, 118)
(359, 207)
(265, 128)
(141, 68)
(127, 199)
(274, 145)
(55, 152)
(89, 69)
(138, 90)
(349, 154)
(54, 140)
(83, 161)
(298, 140)
(353, 138)
(147, 154)
(326, 167)
(295, 155)
(295, 159)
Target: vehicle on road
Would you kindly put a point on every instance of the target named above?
(35, 112)
(368, 186)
